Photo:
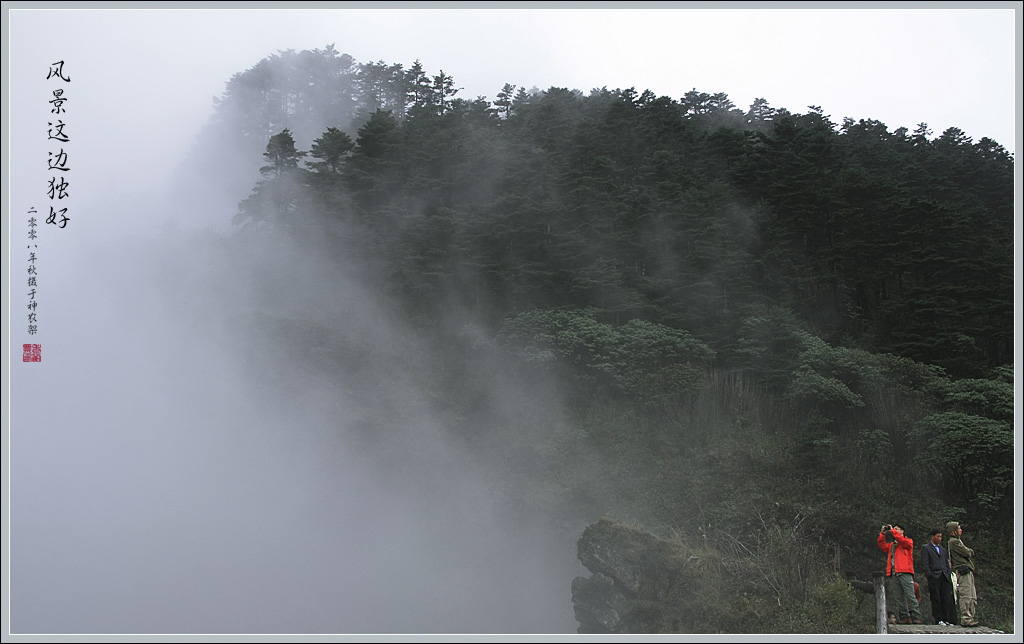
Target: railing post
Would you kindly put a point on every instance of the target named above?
(881, 615)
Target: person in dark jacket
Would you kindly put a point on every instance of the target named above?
(899, 567)
(935, 566)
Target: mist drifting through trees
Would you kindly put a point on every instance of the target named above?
(397, 348)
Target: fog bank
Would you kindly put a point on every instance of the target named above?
(173, 471)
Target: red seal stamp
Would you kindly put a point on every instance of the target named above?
(32, 353)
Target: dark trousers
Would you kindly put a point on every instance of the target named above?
(940, 591)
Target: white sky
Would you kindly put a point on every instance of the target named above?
(143, 80)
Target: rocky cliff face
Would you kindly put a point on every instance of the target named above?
(635, 576)
(780, 581)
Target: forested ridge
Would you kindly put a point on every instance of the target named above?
(770, 333)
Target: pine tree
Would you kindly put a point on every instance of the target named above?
(275, 198)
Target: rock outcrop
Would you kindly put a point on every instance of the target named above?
(633, 574)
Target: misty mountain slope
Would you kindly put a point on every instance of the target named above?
(737, 317)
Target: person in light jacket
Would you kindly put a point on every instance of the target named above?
(899, 568)
(961, 560)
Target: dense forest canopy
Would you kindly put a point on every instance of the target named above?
(689, 211)
(720, 292)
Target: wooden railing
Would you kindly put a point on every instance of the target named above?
(881, 615)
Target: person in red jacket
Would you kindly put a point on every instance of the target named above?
(899, 568)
